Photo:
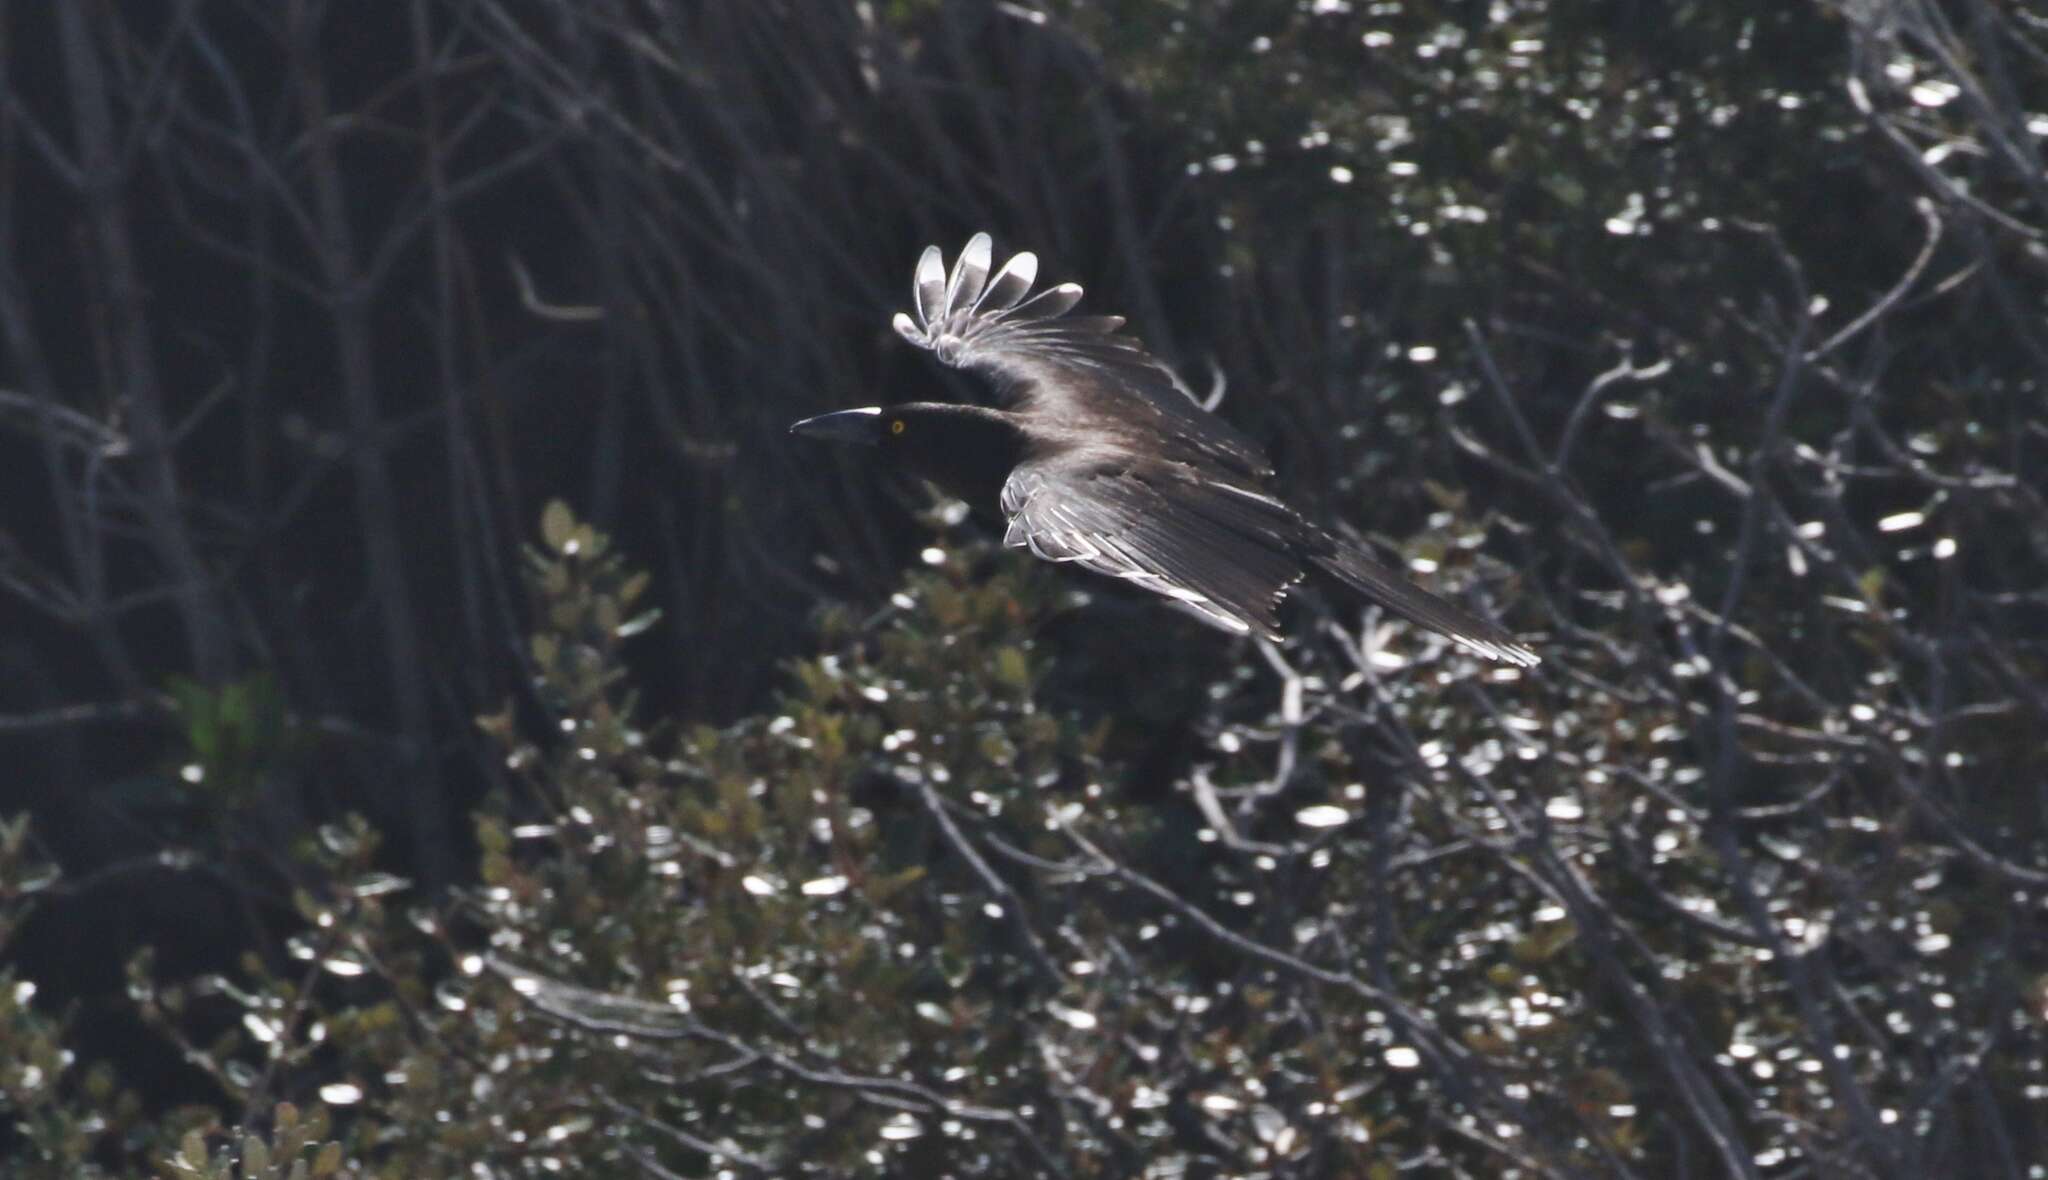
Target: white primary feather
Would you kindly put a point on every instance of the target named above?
(929, 286)
(952, 309)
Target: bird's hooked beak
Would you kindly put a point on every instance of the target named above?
(862, 426)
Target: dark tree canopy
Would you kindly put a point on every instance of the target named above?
(454, 730)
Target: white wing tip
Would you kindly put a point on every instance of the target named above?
(909, 330)
(929, 286)
(978, 249)
(949, 305)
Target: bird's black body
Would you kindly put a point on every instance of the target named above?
(1097, 456)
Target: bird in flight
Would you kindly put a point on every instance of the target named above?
(1098, 456)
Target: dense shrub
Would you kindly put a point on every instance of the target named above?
(1702, 342)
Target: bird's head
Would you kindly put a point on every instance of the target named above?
(911, 429)
(968, 450)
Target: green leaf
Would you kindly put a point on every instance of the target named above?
(557, 526)
(1012, 668)
(639, 623)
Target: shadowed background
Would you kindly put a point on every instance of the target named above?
(1703, 341)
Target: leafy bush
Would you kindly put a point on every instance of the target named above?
(1703, 340)
(906, 922)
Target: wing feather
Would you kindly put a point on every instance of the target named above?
(1396, 593)
(970, 272)
(1197, 546)
(1010, 284)
(1038, 356)
(1224, 553)
(929, 286)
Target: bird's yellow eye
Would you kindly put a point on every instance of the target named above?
(896, 427)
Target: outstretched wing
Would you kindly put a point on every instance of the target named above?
(1078, 368)
(1221, 553)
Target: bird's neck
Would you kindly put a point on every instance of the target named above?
(970, 453)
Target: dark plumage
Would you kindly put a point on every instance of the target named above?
(1097, 455)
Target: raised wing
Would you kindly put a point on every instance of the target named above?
(1078, 368)
(1221, 553)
